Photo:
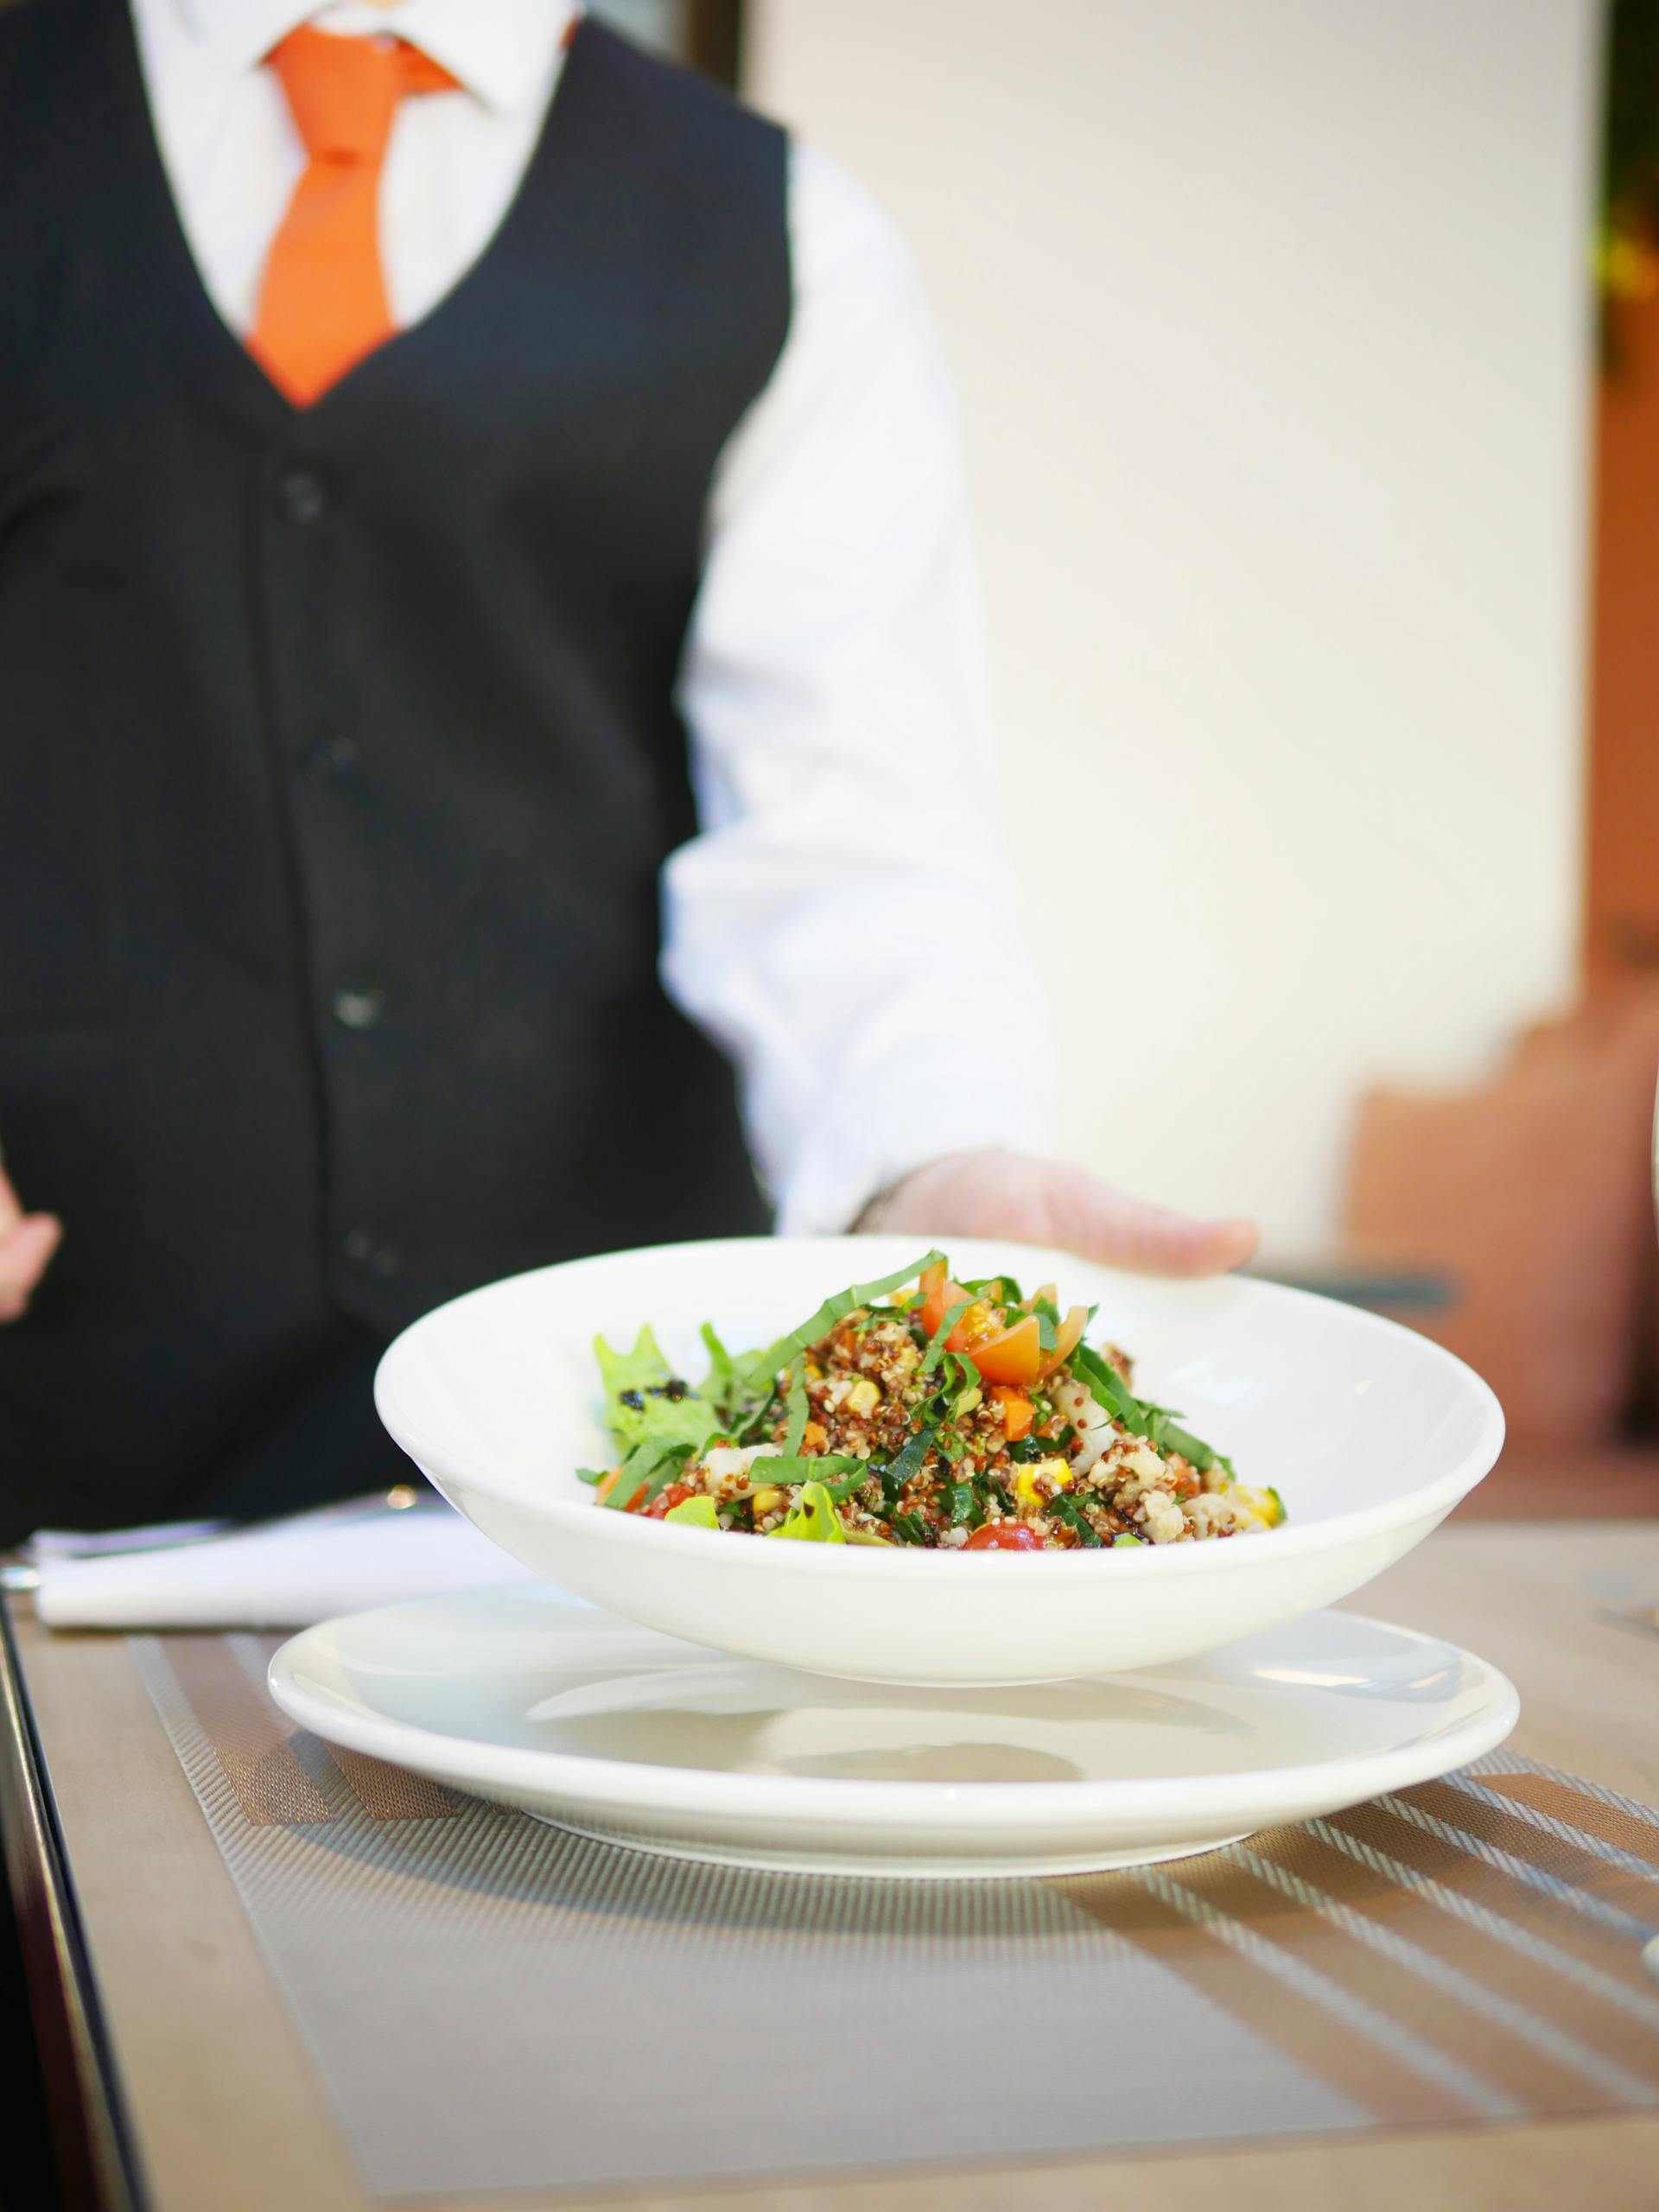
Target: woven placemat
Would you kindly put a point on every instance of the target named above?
(494, 2003)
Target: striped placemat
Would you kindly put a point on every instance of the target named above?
(492, 2002)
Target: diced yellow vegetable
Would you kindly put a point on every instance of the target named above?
(864, 1396)
(1055, 1470)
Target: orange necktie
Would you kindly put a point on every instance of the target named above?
(322, 300)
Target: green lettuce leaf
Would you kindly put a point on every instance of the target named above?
(812, 1519)
(631, 1376)
(724, 1387)
(638, 1370)
(694, 1513)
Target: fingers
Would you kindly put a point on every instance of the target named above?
(26, 1243)
(1050, 1202)
(1101, 1224)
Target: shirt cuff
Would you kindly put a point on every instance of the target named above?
(856, 1150)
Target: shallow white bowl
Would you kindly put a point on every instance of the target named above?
(1370, 1433)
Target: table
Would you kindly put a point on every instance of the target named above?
(184, 2089)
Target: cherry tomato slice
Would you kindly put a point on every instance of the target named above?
(938, 1296)
(1068, 1337)
(1012, 1355)
(1004, 1536)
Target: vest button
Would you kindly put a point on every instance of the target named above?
(333, 756)
(301, 496)
(359, 1009)
(365, 1251)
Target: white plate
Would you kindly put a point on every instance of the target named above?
(524, 1695)
(1371, 1433)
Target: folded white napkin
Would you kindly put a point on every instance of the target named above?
(284, 1575)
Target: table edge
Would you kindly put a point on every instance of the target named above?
(89, 2135)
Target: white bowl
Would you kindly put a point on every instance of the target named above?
(1370, 1433)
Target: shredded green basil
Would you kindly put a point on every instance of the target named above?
(1067, 1510)
(898, 1472)
(961, 1373)
(841, 1492)
(1140, 1416)
(767, 1367)
(652, 1463)
(935, 1350)
(795, 1408)
(1109, 1389)
(783, 1468)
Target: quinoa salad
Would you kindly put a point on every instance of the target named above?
(917, 1410)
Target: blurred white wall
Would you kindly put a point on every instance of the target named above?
(1269, 322)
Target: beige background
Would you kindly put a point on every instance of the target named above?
(1269, 326)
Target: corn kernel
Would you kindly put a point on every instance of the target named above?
(767, 1498)
(864, 1396)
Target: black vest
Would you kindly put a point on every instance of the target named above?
(338, 759)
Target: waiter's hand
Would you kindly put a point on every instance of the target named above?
(1046, 1202)
(26, 1243)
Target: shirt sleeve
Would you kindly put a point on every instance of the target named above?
(841, 924)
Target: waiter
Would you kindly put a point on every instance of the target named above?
(488, 647)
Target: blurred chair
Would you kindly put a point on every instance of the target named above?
(1531, 1197)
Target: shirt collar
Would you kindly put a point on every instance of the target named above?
(503, 51)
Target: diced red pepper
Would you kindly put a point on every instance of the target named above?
(665, 1500)
(1018, 1411)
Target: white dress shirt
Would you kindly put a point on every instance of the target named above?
(840, 925)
